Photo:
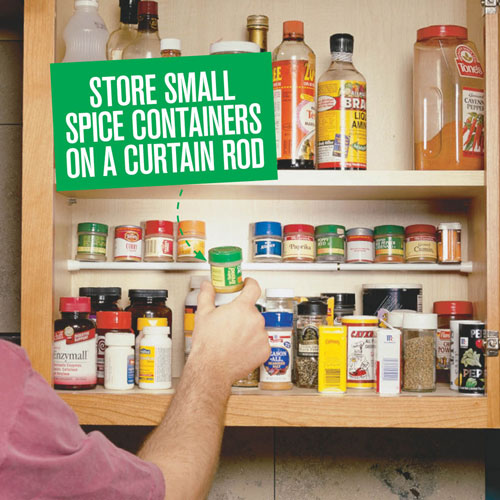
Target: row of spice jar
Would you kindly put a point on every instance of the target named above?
(332, 243)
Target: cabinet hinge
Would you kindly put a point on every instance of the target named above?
(490, 6)
(490, 343)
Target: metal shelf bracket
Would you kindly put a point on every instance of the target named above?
(490, 6)
(491, 343)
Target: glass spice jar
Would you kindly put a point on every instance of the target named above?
(159, 241)
(128, 243)
(389, 244)
(298, 243)
(449, 243)
(280, 300)
(92, 240)
(191, 236)
(225, 269)
(267, 242)
(360, 245)
(330, 243)
(420, 243)
(344, 304)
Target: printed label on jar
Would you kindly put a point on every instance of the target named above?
(329, 245)
(467, 62)
(390, 245)
(443, 348)
(154, 365)
(300, 248)
(189, 250)
(342, 124)
(91, 243)
(307, 341)
(278, 366)
(101, 347)
(128, 244)
(361, 250)
(267, 248)
(130, 369)
(159, 246)
(471, 359)
(421, 248)
(74, 356)
(361, 356)
(473, 122)
(226, 276)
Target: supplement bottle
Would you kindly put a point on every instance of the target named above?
(141, 323)
(101, 299)
(190, 307)
(120, 361)
(126, 33)
(155, 358)
(149, 304)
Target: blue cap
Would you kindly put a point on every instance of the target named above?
(278, 319)
(267, 229)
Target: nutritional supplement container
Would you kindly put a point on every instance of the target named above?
(233, 47)
(141, 323)
(344, 304)
(420, 243)
(332, 366)
(101, 299)
(330, 243)
(389, 244)
(159, 241)
(360, 245)
(419, 352)
(298, 243)
(267, 242)
(170, 47)
(280, 300)
(191, 237)
(120, 361)
(225, 269)
(190, 307)
(92, 240)
(276, 372)
(391, 296)
(128, 243)
(388, 350)
(148, 304)
(449, 237)
(471, 368)
(155, 358)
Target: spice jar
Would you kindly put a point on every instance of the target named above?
(170, 47)
(191, 237)
(159, 241)
(225, 269)
(128, 243)
(233, 47)
(360, 245)
(344, 304)
(280, 300)
(389, 244)
(298, 243)
(266, 242)
(310, 316)
(101, 299)
(92, 240)
(419, 352)
(330, 243)
(148, 304)
(449, 243)
(119, 361)
(420, 243)
(447, 310)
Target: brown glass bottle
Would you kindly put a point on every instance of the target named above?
(149, 304)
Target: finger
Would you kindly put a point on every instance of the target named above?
(250, 293)
(206, 298)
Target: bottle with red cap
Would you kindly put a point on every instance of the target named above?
(298, 243)
(74, 351)
(294, 68)
(159, 241)
(448, 100)
(147, 43)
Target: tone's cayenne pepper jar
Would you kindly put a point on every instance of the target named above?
(389, 244)
(298, 243)
(421, 243)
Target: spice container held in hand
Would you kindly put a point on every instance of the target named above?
(330, 243)
(128, 243)
(92, 240)
(298, 243)
(389, 244)
(267, 242)
(225, 269)
(159, 241)
(190, 240)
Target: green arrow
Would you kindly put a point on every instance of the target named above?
(199, 255)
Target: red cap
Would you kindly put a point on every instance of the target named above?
(74, 304)
(298, 228)
(453, 307)
(420, 228)
(147, 7)
(293, 28)
(159, 226)
(442, 31)
(114, 320)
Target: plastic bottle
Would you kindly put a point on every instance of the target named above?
(190, 307)
(147, 43)
(126, 33)
(85, 34)
(141, 323)
(155, 358)
(119, 364)
(170, 47)
(294, 69)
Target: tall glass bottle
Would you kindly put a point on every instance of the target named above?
(294, 69)
(341, 130)
(147, 43)
(126, 33)
(257, 27)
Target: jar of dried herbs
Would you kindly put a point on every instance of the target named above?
(310, 316)
(419, 352)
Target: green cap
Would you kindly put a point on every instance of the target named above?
(330, 228)
(222, 255)
(92, 227)
(389, 230)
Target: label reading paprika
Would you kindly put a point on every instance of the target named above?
(342, 125)
(298, 248)
(294, 90)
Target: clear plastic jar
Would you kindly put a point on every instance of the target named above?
(170, 47)
(267, 242)
(330, 243)
(191, 237)
(420, 243)
(92, 241)
(225, 269)
(360, 245)
(389, 244)
(280, 300)
(298, 243)
(233, 47)
(159, 241)
(449, 243)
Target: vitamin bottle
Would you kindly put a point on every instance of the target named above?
(170, 47)
(147, 43)
(101, 299)
(148, 304)
(155, 358)
(119, 366)
(294, 67)
(257, 27)
(341, 133)
(141, 323)
(127, 31)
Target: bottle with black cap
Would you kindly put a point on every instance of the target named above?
(341, 125)
(127, 31)
(149, 304)
(101, 299)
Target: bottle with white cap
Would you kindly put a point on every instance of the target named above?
(85, 34)
(119, 361)
(190, 307)
(155, 358)
(170, 47)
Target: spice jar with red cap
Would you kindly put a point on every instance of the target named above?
(420, 243)
(448, 310)
(298, 243)
(159, 241)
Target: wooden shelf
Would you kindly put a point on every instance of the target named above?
(320, 185)
(296, 408)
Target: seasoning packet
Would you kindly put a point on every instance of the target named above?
(332, 364)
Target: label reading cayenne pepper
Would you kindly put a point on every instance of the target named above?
(473, 122)
(342, 125)
(294, 92)
(361, 356)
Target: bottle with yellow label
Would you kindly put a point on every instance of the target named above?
(341, 123)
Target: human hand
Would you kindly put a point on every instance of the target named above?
(231, 339)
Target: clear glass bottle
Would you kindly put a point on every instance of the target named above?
(257, 27)
(341, 102)
(294, 85)
(126, 33)
(170, 47)
(280, 300)
(147, 43)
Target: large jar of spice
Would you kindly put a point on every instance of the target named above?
(389, 244)
(421, 243)
(298, 243)
(330, 243)
(149, 304)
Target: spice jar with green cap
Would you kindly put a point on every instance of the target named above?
(92, 239)
(225, 269)
(330, 243)
(389, 244)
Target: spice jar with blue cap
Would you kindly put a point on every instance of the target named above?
(267, 241)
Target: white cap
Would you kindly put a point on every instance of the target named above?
(225, 298)
(219, 47)
(196, 281)
(119, 339)
(392, 285)
(279, 293)
(154, 330)
(170, 44)
(450, 225)
(86, 3)
(395, 318)
(420, 321)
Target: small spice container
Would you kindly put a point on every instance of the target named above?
(389, 244)
(159, 241)
(276, 372)
(225, 269)
(420, 243)
(449, 243)
(170, 47)
(252, 380)
(92, 240)
(360, 245)
(267, 242)
(120, 361)
(388, 360)
(310, 316)
(298, 243)
(191, 237)
(233, 47)
(280, 300)
(471, 364)
(332, 366)
(419, 352)
(128, 243)
(330, 243)
(344, 304)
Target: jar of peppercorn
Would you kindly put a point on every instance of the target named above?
(389, 244)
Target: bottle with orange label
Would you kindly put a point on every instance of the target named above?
(294, 69)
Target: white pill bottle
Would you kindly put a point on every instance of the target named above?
(155, 358)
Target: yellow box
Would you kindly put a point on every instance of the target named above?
(332, 364)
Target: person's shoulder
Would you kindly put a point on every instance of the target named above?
(14, 364)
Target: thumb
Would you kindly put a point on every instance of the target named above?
(206, 298)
